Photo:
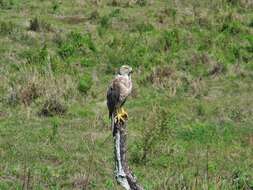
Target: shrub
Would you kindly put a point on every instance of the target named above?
(114, 13)
(86, 62)
(55, 6)
(141, 2)
(7, 4)
(26, 94)
(38, 25)
(142, 27)
(29, 93)
(34, 25)
(105, 21)
(85, 83)
(171, 39)
(94, 15)
(13, 97)
(36, 56)
(75, 44)
(241, 179)
(66, 50)
(7, 28)
(231, 27)
(55, 127)
(53, 107)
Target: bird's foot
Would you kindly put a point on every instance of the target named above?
(121, 116)
(124, 113)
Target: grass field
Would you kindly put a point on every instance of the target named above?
(190, 114)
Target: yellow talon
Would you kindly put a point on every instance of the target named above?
(124, 112)
(121, 115)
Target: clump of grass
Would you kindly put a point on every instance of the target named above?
(217, 70)
(26, 94)
(55, 6)
(166, 77)
(85, 83)
(13, 98)
(34, 25)
(29, 93)
(232, 27)
(87, 62)
(105, 21)
(114, 13)
(55, 128)
(141, 3)
(7, 4)
(241, 180)
(171, 12)
(144, 27)
(154, 132)
(115, 3)
(159, 74)
(53, 107)
(38, 25)
(94, 16)
(7, 28)
(171, 39)
(76, 44)
(36, 56)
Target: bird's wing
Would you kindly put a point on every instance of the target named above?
(113, 96)
(124, 86)
(117, 93)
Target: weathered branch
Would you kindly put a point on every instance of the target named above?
(123, 174)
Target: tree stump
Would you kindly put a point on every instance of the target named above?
(123, 174)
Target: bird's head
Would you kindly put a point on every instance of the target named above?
(125, 70)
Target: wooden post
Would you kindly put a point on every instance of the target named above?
(123, 174)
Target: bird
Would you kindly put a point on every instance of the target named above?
(118, 91)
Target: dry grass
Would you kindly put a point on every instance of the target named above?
(190, 113)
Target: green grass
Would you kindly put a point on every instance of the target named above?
(190, 113)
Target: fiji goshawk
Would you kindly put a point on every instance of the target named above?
(117, 93)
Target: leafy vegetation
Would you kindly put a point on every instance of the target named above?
(190, 112)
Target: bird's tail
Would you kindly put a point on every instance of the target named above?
(111, 116)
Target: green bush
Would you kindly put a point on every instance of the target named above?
(171, 39)
(232, 27)
(86, 62)
(55, 6)
(7, 4)
(143, 27)
(55, 126)
(114, 13)
(37, 25)
(36, 56)
(142, 2)
(7, 28)
(105, 21)
(34, 24)
(85, 83)
(76, 44)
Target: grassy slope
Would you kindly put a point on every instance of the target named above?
(190, 113)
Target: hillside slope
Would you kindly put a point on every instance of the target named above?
(190, 113)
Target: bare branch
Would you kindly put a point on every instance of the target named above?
(123, 174)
